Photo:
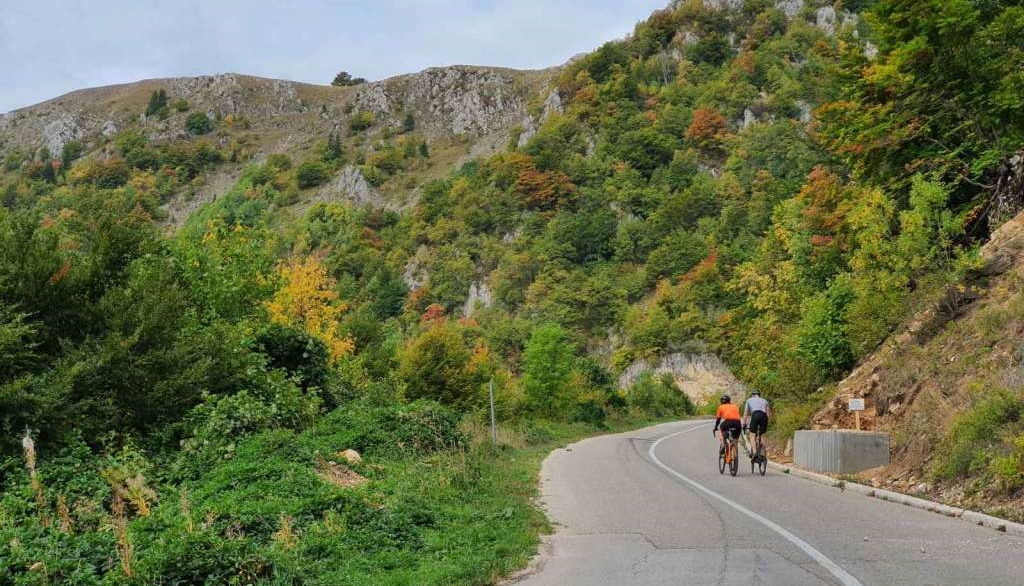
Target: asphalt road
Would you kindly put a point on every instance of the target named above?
(649, 508)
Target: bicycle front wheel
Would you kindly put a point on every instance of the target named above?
(721, 461)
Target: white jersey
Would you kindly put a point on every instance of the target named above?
(756, 403)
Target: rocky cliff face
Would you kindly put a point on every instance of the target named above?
(700, 376)
(471, 110)
(459, 100)
(447, 101)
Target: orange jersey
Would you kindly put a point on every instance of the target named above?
(728, 411)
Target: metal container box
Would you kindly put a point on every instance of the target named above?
(840, 451)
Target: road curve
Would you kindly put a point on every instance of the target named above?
(649, 507)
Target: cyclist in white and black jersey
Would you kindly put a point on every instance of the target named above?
(756, 413)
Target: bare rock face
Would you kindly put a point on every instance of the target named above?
(700, 376)
(723, 4)
(552, 105)
(59, 132)
(825, 19)
(791, 8)
(828, 20)
(480, 293)
(529, 130)
(415, 273)
(446, 101)
(748, 119)
(805, 111)
(352, 186)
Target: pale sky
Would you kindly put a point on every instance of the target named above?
(50, 48)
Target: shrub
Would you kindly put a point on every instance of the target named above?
(311, 174)
(659, 397)
(107, 174)
(198, 123)
(1009, 469)
(216, 424)
(420, 427)
(203, 557)
(968, 447)
(387, 159)
(279, 162)
(180, 105)
(302, 356)
(362, 120)
(373, 175)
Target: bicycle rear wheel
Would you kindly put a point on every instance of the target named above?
(762, 457)
(734, 461)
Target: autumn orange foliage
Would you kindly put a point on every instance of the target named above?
(707, 126)
(434, 314)
(826, 201)
(543, 190)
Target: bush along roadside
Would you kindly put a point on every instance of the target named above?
(424, 499)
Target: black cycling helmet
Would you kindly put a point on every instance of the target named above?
(725, 399)
(755, 392)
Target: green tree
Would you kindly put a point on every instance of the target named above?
(198, 123)
(311, 174)
(157, 104)
(547, 365)
(944, 95)
(344, 78)
(333, 151)
(439, 365)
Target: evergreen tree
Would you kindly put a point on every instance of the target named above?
(345, 78)
(157, 104)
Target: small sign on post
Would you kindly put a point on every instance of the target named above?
(856, 405)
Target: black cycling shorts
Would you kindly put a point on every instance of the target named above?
(758, 422)
(733, 425)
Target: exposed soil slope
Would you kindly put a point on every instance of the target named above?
(950, 355)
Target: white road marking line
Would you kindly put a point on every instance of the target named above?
(842, 575)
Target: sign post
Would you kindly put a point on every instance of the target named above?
(494, 429)
(856, 405)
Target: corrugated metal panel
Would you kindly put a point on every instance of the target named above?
(840, 451)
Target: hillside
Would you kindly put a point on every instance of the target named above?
(459, 111)
(219, 285)
(946, 386)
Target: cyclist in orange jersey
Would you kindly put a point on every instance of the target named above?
(728, 419)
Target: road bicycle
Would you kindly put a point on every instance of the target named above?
(759, 455)
(730, 456)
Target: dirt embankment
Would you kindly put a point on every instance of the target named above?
(961, 346)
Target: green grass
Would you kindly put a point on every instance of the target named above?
(441, 506)
(984, 441)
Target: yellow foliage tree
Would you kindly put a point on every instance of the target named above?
(307, 300)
